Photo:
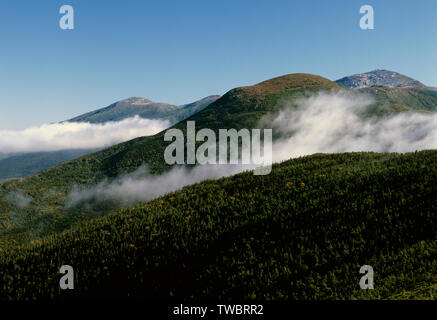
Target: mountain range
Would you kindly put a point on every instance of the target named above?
(300, 233)
(241, 107)
(144, 108)
(398, 92)
(391, 89)
(17, 165)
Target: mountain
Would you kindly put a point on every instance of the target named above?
(302, 232)
(127, 108)
(144, 108)
(404, 99)
(379, 78)
(25, 164)
(393, 90)
(241, 107)
(22, 165)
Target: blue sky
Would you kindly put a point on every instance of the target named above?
(180, 51)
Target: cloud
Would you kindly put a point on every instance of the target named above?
(77, 135)
(324, 122)
(333, 123)
(18, 199)
(140, 185)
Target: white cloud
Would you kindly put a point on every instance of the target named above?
(140, 186)
(77, 135)
(18, 199)
(324, 122)
(331, 123)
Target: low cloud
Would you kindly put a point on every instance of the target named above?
(18, 199)
(77, 135)
(140, 185)
(325, 122)
(333, 123)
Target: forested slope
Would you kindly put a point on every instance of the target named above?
(301, 232)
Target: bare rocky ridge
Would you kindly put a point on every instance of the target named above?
(378, 78)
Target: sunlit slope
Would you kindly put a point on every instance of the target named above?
(404, 99)
(301, 232)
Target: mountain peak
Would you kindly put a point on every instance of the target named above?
(134, 101)
(144, 108)
(290, 82)
(378, 78)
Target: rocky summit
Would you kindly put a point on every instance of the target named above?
(378, 78)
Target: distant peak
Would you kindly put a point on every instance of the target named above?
(214, 96)
(378, 78)
(294, 81)
(382, 70)
(135, 101)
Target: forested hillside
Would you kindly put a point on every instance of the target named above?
(239, 108)
(405, 99)
(301, 232)
(244, 107)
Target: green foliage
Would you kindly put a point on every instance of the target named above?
(404, 99)
(301, 232)
(242, 107)
(239, 108)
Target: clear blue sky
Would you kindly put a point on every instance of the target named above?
(180, 51)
